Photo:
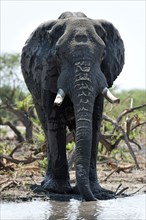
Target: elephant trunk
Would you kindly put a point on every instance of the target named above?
(83, 98)
(83, 154)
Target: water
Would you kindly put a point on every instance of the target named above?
(129, 208)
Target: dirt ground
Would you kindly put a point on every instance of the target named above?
(16, 185)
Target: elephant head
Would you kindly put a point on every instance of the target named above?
(83, 57)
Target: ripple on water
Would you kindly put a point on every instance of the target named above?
(124, 208)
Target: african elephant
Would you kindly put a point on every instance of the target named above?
(68, 65)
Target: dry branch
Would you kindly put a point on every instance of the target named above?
(125, 134)
(127, 111)
(118, 168)
(23, 116)
(8, 184)
(5, 166)
(129, 146)
(14, 129)
(28, 160)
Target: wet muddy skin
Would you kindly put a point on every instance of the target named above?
(124, 208)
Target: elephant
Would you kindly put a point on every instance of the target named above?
(68, 65)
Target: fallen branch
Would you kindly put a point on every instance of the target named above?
(137, 190)
(5, 186)
(121, 191)
(15, 149)
(14, 129)
(118, 188)
(118, 169)
(4, 181)
(5, 167)
(10, 183)
(115, 170)
(23, 116)
(28, 160)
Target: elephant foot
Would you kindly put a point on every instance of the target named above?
(101, 193)
(104, 194)
(56, 185)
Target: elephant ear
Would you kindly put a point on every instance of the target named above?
(37, 59)
(113, 60)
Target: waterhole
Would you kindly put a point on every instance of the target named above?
(128, 208)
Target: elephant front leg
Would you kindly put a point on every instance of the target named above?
(98, 191)
(57, 177)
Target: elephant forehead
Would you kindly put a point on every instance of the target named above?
(83, 29)
(76, 23)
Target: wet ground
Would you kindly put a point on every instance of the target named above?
(128, 208)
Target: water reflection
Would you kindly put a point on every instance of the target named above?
(125, 208)
(73, 210)
(83, 210)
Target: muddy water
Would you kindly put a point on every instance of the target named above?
(129, 208)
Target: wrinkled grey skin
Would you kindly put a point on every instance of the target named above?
(81, 56)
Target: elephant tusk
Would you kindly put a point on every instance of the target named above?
(109, 96)
(59, 97)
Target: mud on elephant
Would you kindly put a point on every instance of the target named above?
(68, 65)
